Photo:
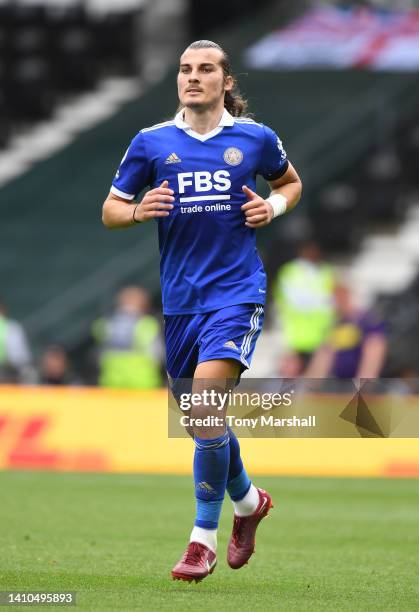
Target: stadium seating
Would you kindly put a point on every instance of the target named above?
(400, 311)
(50, 51)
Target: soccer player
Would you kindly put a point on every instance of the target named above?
(201, 168)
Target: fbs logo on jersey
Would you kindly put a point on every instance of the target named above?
(204, 181)
(173, 159)
(231, 344)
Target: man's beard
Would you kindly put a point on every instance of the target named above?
(201, 106)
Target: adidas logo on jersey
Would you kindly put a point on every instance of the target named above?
(231, 344)
(172, 159)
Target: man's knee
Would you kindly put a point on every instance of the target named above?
(208, 421)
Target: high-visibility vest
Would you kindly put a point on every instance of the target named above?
(134, 367)
(304, 296)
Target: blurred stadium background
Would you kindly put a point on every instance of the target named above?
(340, 85)
(339, 82)
(77, 81)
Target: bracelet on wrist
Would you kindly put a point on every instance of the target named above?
(133, 213)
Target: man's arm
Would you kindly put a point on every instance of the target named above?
(373, 356)
(289, 185)
(321, 363)
(118, 212)
(260, 212)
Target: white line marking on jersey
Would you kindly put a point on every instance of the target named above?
(207, 197)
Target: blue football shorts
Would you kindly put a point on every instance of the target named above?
(228, 333)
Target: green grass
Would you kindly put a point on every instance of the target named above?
(329, 544)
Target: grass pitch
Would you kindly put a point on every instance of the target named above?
(329, 544)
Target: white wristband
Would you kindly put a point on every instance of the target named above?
(278, 203)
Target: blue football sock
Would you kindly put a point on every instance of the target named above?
(238, 482)
(211, 463)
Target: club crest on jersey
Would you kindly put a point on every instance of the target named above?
(233, 156)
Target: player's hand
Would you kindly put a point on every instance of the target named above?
(155, 203)
(257, 210)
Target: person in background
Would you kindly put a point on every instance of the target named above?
(303, 294)
(130, 343)
(15, 354)
(355, 348)
(55, 367)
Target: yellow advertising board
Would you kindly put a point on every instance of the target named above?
(89, 429)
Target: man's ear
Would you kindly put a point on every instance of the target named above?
(228, 83)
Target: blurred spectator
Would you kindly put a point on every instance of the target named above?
(55, 367)
(15, 355)
(356, 347)
(303, 294)
(130, 343)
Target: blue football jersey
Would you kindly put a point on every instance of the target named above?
(209, 257)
